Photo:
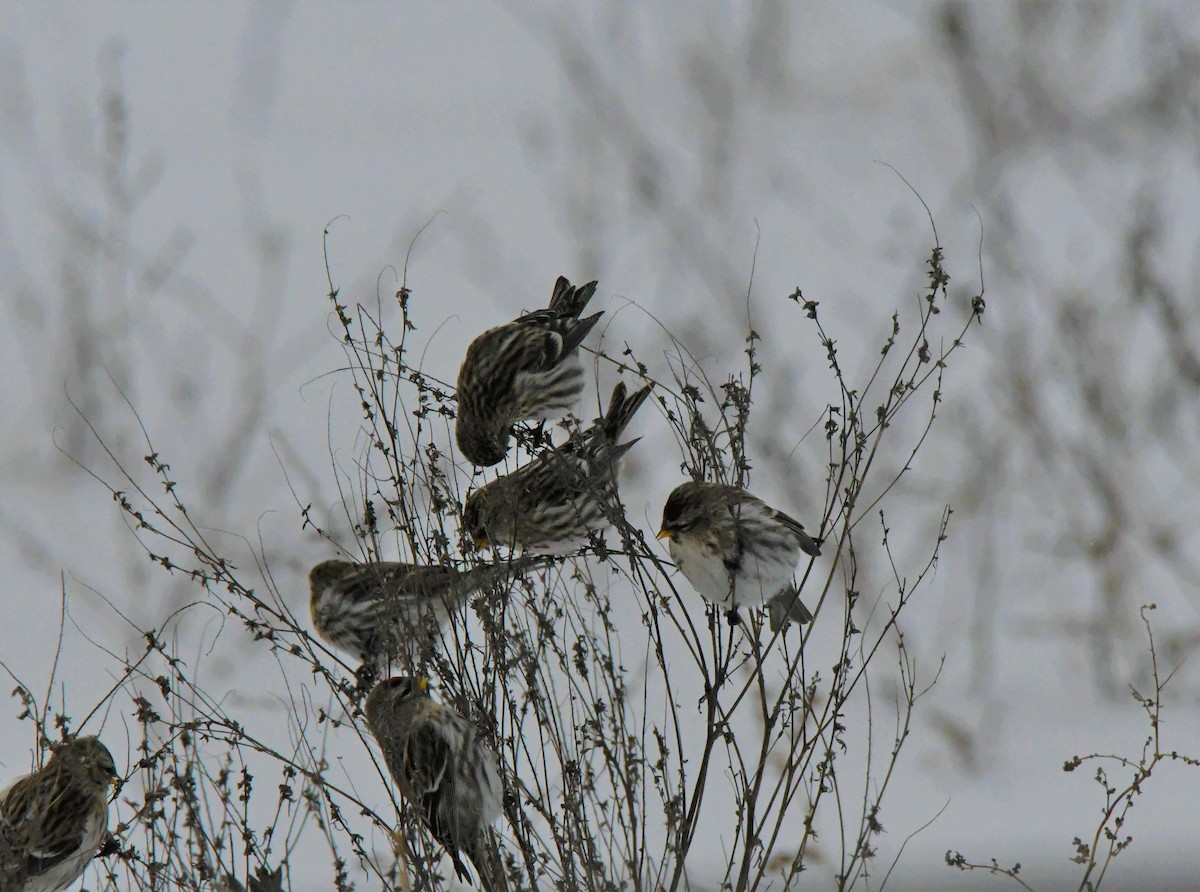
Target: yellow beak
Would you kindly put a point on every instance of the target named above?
(665, 534)
(423, 683)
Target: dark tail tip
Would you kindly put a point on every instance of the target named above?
(787, 607)
(622, 408)
(568, 300)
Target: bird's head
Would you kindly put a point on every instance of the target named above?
(474, 519)
(684, 512)
(389, 695)
(326, 573)
(90, 759)
(481, 444)
(403, 687)
(398, 689)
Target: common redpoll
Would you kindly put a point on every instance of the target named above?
(735, 549)
(552, 503)
(263, 881)
(53, 822)
(382, 609)
(526, 369)
(443, 769)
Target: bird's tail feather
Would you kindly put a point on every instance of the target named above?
(787, 607)
(577, 331)
(569, 301)
(485, 856)
(809, 545)
(621, 409)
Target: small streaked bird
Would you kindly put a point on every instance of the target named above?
(551, 504)
(382, 609)
(735, 549)
(443, 769)
(263, 881)
(54, 821)
(527, 369)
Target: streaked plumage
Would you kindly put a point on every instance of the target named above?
(443, 769)
(382, 609)
(552, 503)
(263, 881)
(736, 550)
(54, 821)
(526, 369)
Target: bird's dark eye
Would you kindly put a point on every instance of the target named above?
(675, 519)
(402, 686)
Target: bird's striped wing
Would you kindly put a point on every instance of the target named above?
(45, 818)
(428, 765)
(808, 544)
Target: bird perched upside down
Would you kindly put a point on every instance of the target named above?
(54, 821)
(443, 769)
(735, 549)
(554, 502)
(526, 369)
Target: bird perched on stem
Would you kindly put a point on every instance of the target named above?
(443, 769)
(263, 881)
(382, 609)
(735, 549)
(526, 369)
(54, 821)
(551, 504)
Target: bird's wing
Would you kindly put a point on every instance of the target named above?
(427, 761)
(741, 501)
(433, 591)
(433, 579)
(554, 476)
(487, 574)
(427, 765)
(46, 817)
(386, 579)
(790, 522)
(541, 346)
(363, 584)
(549, 335)
(730, 535)
(808, 544)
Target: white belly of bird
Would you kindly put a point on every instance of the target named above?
(491, 793)
(759, 578)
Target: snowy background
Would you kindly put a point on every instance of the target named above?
(167, 171)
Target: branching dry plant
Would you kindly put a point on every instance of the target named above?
(644, 741)
(1096, 851)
